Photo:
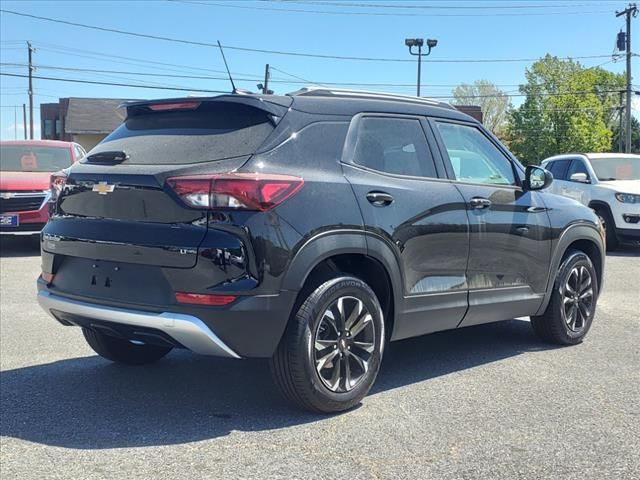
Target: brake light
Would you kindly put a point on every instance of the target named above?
(204, 299)
(57, 183)
(165, 107)
(241, 191)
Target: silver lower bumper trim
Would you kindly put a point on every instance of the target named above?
(188, 330)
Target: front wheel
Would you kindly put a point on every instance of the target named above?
(330, 354)
(609, 227)
(570, 312)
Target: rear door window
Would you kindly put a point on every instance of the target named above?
(214, 131)
(394, 145)
(559, 168)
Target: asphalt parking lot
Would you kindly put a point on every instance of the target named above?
(483, 402)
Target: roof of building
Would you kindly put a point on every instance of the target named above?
(93, 115)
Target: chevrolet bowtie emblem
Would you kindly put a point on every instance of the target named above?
(103, 188)
(6, 195)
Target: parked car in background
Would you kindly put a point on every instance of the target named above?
(25, 171)
(609, 183)
(310, 229)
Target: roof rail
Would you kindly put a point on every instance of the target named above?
(337, 92)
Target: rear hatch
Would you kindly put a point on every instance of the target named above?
(116, 205)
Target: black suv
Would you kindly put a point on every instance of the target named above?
(309, 229)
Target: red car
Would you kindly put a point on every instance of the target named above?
(25, 169)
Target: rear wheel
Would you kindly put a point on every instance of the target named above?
(123, 351)
(330, 354)
(570, 312)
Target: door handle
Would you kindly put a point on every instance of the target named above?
(379, 199)
(522, 230)
(479, 202)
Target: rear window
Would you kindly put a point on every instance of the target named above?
(25, 158)
(216, 131)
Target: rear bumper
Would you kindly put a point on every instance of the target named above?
(250, 327)
(186, 330)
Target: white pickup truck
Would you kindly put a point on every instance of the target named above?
(609, 183)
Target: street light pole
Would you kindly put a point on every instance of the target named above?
(419, 42)
(419, 67)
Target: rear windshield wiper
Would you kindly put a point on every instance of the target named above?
(107, 158)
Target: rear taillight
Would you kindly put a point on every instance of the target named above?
(56, 184)
(48, 277)
(204, 299)
(241, 191)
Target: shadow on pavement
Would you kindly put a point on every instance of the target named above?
(20, 246)
(88, 403)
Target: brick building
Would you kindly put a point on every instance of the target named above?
(82, 120)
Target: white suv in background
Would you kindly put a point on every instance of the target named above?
(609, 183)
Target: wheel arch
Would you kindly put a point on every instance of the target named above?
(356, 253)
(600, 204)
(584, 237)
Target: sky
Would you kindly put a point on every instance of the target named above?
(465, 30)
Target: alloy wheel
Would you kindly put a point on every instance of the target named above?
(577, 299)
(344, 343)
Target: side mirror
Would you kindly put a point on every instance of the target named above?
(580, 178)
(537, 178)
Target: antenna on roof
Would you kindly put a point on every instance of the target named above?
(227, 67)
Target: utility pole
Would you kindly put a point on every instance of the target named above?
(267, 74)
(620, 133)
(24, 119)
(15, 122)
(31, 50)
(630, 11)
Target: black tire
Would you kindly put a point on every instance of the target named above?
(553, 325)
(609, 228)
(122, 351)
(295, 361)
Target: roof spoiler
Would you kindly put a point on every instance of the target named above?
(276, 107)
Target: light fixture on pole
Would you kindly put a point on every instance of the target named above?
(419, 43)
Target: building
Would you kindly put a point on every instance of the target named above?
(471, 110)
(82, 120)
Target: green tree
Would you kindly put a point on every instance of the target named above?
(635, 136)
(567, 108)
(494, 102)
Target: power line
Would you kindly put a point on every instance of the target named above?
(296, 77)
(94, 54)
(91, 82)
(428, 7)
(124, 72)
(300, 81)
(388, 14)
(589, 92)
(279, 52)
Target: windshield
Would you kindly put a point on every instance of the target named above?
(613, 168)
(28, 158)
